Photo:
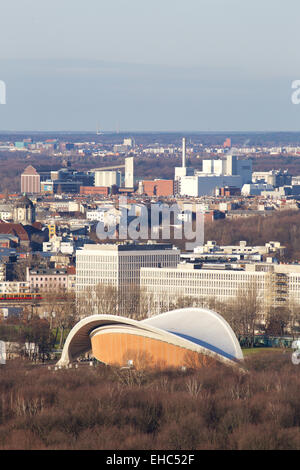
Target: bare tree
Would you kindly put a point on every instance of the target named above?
(278, 319)
(242, 313)
(101, 299)
(61, 311)
(294, 325)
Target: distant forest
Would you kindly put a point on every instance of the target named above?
(283, 226)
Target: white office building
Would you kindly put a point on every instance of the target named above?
(119, 265)
(205, 185)
(276, 284)
(256, 189)
(107, 178)
(231, 171)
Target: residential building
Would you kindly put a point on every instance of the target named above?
(43, 280)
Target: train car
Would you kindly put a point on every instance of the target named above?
(19, 296)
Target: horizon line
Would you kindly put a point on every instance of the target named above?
(114, 132)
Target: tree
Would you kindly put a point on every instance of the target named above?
(294, 308)
(243, 312)
(100, 299)
(36, 333)
(277, 320)
(61, 311)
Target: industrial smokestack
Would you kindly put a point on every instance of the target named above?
(183, 152)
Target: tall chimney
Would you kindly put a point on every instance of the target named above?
(183, 153)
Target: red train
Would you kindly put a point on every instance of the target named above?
(20, 296)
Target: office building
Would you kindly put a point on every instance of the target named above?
(107, 178)
(129, 172)
(277, 285)
(119, 265)
(30, 181)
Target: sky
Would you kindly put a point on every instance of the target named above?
(159, 65)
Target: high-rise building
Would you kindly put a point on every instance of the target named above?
(129, 172)
(30, 181)
(119, 265)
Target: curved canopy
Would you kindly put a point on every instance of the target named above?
(196, 329)
(201, 326)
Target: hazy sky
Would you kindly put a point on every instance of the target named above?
(159, 65)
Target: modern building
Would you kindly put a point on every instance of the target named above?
(129, 172)
(231, 171)
(256, 189)
(30, 181)
(184, 338)
(275, 178)
(277, 284)
(205, 185)
(108, 178)
(211, 247)
(119, 265)
(60, 186)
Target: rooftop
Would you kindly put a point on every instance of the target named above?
(129, 247)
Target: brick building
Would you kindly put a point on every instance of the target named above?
(157, 187)
(98, 190)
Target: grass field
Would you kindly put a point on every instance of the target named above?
(251, 351)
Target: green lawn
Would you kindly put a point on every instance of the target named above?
(250, 351)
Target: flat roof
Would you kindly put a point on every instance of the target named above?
(129, 247)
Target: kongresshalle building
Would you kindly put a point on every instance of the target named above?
(187, 337)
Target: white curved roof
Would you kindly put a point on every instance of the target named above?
(197, 329)
(202, 326)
